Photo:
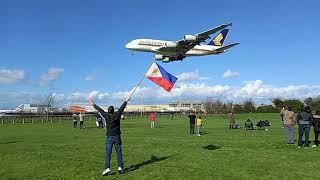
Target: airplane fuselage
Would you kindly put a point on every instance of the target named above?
(153, 46)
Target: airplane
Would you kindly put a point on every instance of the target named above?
(168, 51)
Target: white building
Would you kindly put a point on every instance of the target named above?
(186, 106)
(35, 108)
(172, 107)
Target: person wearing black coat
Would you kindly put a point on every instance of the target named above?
(192, 122)
(112, 119)
(304, 120)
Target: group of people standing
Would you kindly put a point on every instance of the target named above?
(195, 122)
(305, 119)
(75, 119)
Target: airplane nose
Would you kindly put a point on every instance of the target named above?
(128, 46)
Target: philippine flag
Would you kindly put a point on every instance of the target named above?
(161, 77)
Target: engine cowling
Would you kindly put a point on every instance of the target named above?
(166, 60)
(190, 38)
(158, 57)
(171, 44)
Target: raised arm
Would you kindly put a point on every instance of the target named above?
(96, 106)
(99, 109)
(121, 109)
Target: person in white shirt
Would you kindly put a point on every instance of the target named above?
(81, 117)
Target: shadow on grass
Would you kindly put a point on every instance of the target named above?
(203, 133)
(152, 160)
(10, 142)
(211, 147)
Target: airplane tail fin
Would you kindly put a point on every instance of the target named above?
(219, 39)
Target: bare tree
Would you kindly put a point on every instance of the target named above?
(217, 106)
(248, 106)
(48, 103)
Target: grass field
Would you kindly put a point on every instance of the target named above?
(57, 151)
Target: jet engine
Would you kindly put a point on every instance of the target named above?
(166, 60)
(190, 38)
(158, 57)
(171, 44)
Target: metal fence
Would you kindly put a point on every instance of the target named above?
(51, 118)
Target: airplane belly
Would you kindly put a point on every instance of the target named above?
(196, 53)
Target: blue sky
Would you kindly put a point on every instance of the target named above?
(78, 48)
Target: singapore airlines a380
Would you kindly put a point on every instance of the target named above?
(190, 45)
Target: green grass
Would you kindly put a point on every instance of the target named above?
(57, 151)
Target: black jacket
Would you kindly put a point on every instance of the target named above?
(192, 118)
(316, 123)
(112, 119)
(304, 118)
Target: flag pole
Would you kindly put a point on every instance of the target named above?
(136, 87)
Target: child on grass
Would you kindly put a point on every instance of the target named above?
(199, 123)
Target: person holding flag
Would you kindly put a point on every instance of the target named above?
(156, 74)
(113, 134)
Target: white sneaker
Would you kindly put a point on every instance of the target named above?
(314, 146)
(120, 170)
(106, 172)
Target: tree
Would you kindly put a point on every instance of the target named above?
(237, 108)
(217, 106)
(267, 109)
(295, 104)
(248, 106)
(207, 105)
(48, 103)
(278, 103)
(228, 107)
(314, 103)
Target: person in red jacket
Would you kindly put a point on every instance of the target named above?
(152, 118)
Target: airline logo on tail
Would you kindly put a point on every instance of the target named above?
(219, 39)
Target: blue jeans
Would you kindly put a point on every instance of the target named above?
(289, 133)
(114, 140)
(304, 129)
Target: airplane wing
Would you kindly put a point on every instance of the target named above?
(226, 47)
(184, 45)
(206, 34)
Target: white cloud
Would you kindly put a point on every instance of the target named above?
(51, 75)
(8, 76)
(89, 77)
(230, 74)
(93, 75)
(190, 76)
(93, 93)
(255, 90)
